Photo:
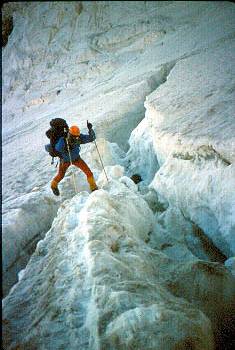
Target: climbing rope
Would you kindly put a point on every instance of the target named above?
(73, 175)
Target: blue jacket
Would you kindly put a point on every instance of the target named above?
(61, 146)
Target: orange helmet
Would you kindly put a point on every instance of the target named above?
(74, 130)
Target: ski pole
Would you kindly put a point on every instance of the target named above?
(99, 156)
(73, 175)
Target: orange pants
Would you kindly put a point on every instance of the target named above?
(81, 165)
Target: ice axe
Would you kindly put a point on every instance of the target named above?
(89, 126)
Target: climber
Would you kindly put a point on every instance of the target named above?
(69, 149)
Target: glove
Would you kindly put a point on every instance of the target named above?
(89, 125)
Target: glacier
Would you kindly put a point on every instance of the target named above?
(133, 265)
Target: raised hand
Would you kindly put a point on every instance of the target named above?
(89, 125)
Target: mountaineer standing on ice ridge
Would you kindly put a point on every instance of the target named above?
(68, 147)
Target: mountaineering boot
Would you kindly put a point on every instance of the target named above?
(54, 188)
(94, 189)
(56, 191)
(92, 183)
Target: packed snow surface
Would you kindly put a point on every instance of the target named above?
(104, 270)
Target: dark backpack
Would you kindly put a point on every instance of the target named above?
(59, 128)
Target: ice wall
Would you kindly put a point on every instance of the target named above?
(190, 120)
